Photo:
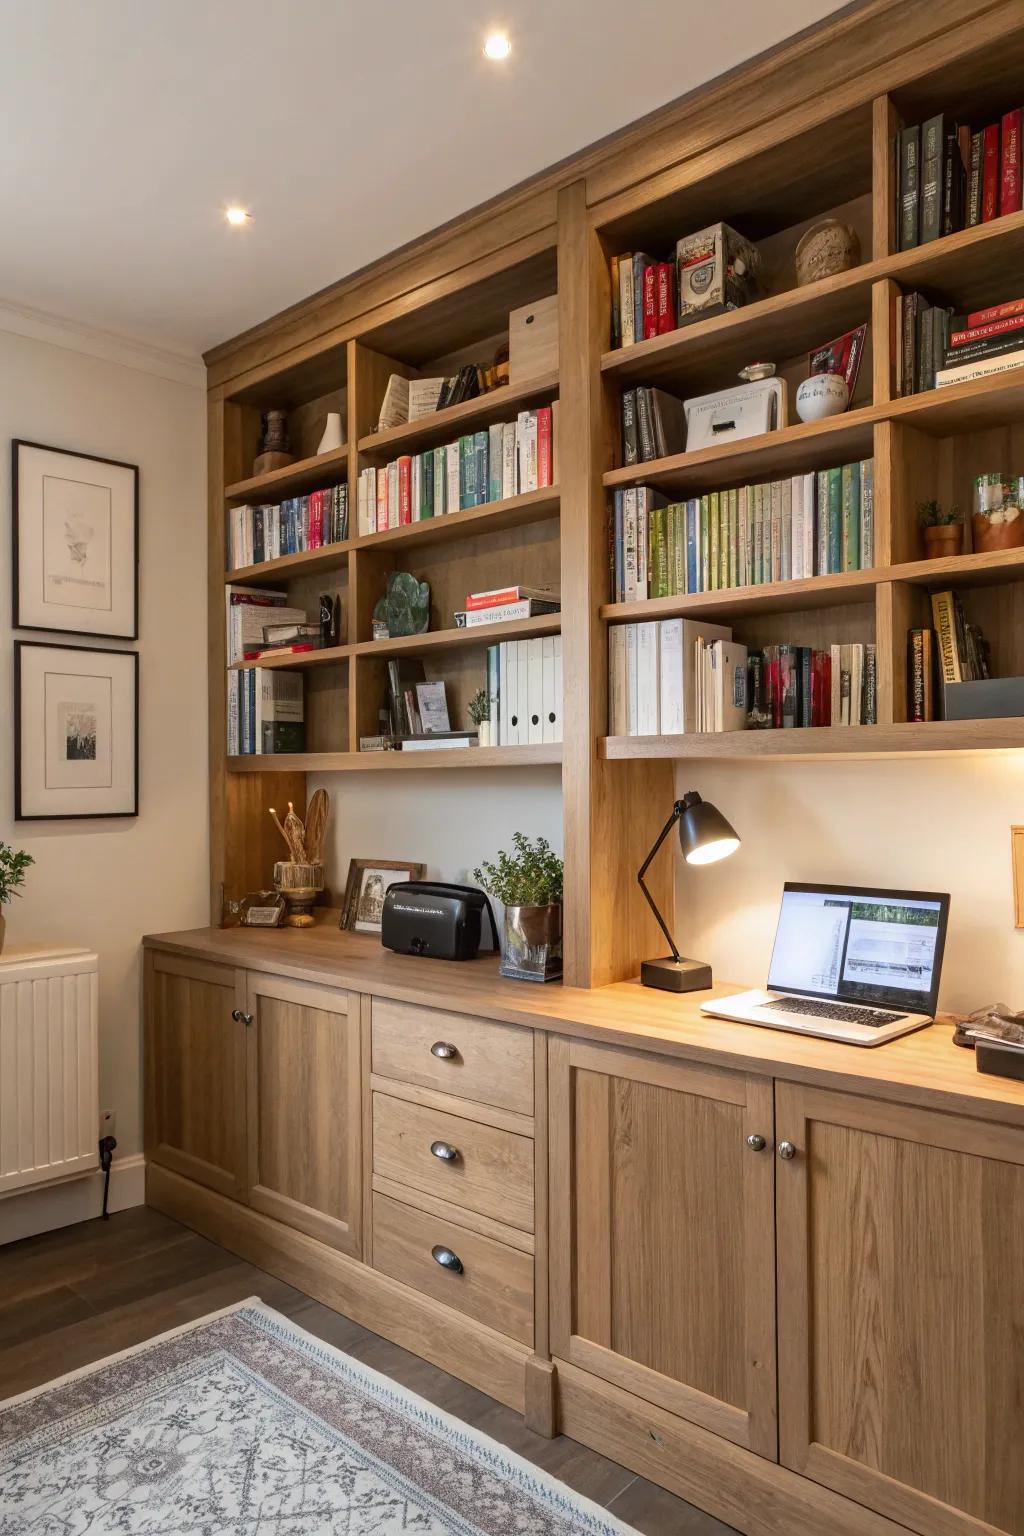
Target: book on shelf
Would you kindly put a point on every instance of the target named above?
(675, 677)
(492, 464)
(264, 712)
(653, 425)
(524, 690)
(438, 741)
(952, 176)
(292, 527)
(710, 271)
(432, 703)
(961, 650)
(249, 610)
(504, 613)
(512, 594)
(922, 338)
(814, 524)
(286, 640)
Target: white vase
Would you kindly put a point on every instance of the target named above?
(823, 394)
(334, 433)
(483, 738)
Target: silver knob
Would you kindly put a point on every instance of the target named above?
(756, 1143)
(787, 1151)
(447, 1259)
(247, 1018)
(240, 1017)
(444, 1151)
(443, 1051)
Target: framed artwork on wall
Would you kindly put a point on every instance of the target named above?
(368, 879)
(76, 732)
(76, 542)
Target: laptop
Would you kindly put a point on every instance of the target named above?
(849, 964)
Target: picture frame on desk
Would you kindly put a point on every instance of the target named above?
(365, 888)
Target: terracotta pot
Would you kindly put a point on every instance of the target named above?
(990, 536)
(945, 540)
(532, 950)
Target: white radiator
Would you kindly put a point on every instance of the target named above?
(49, 1066)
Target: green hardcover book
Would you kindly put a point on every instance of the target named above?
(867, 514)
(670, 549)
(821, 547)
(835, 521)
(467, 472)
(657, 553)
(440, 478)
(743, 536)
(757, 521)
(733, 572)
(705, 544)
(679, 547)
(715, 518)
(775, 574)
(851, 517)
(481, 448)
(426, 485)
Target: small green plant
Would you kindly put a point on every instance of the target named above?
(529, 877)
(479, 707)
(13, 864)
(931, 515)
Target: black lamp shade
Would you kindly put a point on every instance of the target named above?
(704, 834)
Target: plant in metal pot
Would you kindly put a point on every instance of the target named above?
(528, 883)
(13, 864)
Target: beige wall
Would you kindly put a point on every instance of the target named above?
(105, 883)
(938, 824)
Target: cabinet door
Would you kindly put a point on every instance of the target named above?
(195, 1070)
(663, 1255)
(304, 1108)
(901, 1351)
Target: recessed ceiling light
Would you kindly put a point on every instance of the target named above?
(497, 46)
(237, 216)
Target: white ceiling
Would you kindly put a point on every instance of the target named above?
(347, 128)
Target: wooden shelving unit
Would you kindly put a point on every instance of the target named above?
(771, 161)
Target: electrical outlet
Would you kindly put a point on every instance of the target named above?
(108, 1122)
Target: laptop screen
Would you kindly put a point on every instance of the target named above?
(860, 946)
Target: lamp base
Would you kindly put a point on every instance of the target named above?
(675, 975)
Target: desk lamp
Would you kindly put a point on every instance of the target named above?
(705, 837)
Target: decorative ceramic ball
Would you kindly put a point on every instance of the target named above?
(827, 248)
(823, 394)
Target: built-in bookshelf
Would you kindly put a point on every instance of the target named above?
(810, 142)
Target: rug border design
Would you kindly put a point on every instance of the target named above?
(501, 1461)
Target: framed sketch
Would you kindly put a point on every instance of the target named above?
(76, 542)
(76, 732)
(368, 879)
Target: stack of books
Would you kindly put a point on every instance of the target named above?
(984, 342)
(502, 605)
(265, 712)
(507, 459)
(250, 610)
(712, 270)
(922, 334)
(524, 691)
(285, 637)
(407, 400)
(815, 524)
(266, 532)
(653, 425)
(954, 651)
(950, 176)
(677, 676)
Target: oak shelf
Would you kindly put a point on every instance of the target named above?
(492, 517)
(312, 474)
(459, 639)
(442, 426)
(997, 401)
(396, 762)
(832, 741)
(298, 661)
(287, 566)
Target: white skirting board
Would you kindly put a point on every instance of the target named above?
(72, 1200)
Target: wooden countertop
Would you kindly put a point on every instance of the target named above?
(924, 1068)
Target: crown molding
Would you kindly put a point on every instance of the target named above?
(37, 325)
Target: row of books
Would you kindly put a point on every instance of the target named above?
(507, 459)
(949, 176)
(677, 676)
(266, 532)
(953, 651)
(712, 270)
(502, 605)
(265, 708)
(653, 425)
(815, 524)
(936, 348)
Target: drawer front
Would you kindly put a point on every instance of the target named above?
(491, 1172)
(494, 1284)
(491, 1064)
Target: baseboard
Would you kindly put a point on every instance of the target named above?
(64, 1204)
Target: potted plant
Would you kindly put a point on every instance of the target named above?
(942, 530)
(479, 711)
(997, 522)
(13, 864)
(528, 882)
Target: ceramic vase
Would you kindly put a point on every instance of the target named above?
(823, 394)
(334, 433)
(483, 738)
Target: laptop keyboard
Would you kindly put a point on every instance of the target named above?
(844, 1012)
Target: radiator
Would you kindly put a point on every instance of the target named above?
(49, 1066)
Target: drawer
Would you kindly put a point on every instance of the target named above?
(492, 1171)
(494, 1286)
(492, 1064)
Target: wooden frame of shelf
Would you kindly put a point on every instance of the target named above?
(812, 133)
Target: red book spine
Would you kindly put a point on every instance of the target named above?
(996, 312)
(650, 302)
(543, 446)
(1009, 187)
(492, 599)
(404, 490)
(826, 688)
(990, 174)
(980, 332)
(666, 298)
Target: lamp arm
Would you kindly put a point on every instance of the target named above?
(677, 811)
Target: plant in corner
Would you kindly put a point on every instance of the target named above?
(942, 530)
(13, 864)
(528, 883)
(479, 711)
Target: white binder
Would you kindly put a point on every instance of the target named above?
(508, 694)
(557, 724)
(534, 714)
(647, 684)
(549, 701)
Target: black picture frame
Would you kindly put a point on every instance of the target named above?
(20, 647)
(18, 621)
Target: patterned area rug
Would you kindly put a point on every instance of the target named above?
(242, 1423)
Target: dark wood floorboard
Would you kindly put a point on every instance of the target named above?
(70, 1298)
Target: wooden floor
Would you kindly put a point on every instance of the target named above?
(71, 1297)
